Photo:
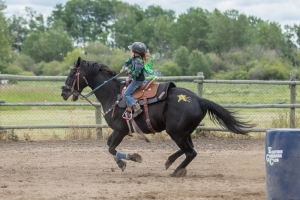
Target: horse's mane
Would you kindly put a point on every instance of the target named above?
(95, 67)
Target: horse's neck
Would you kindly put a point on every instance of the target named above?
(108, 93)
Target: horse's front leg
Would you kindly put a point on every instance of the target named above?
(113, 141)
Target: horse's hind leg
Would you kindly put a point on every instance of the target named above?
(177, 154)
(190, 153)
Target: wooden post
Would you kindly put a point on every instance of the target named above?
(2, 131)
(200, 93)
(292, 101)
(98, 117)
(200, 85)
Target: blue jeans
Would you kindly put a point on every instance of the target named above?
(130, 90)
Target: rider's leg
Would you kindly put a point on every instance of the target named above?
(132, 103)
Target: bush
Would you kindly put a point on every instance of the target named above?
(257, 73)
(233, 75)
(270, 68)
(13, 69)
(72, 56)
(26, 63)
(117, 60)
(215, 62)
(170, 69)
(198, 62)
(53, 68)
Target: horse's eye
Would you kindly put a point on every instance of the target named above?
(73, 72)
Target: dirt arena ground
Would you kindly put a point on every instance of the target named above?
(231, 169)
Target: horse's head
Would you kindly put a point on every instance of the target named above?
(83, 74)
(76, 81)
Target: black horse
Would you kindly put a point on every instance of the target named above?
(179, 117)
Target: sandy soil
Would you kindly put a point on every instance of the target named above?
(224, 169)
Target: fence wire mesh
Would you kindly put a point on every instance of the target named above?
(33, 92)
(43, 92)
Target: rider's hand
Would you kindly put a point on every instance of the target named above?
(123, 70)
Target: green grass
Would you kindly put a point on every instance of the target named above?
(34, 91)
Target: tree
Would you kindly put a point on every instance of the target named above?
(198, 62)
(152, 12)
(290, 35)
(18, 28)
(156, 29)
(86, 20)
(57, 14)
(229, 30)
(160, 41)
(48, 46)
(297, 32)
(270, 36)
(125, 18)
(6, 56)
(191, 30)
(35, 21)
(182, 59)
(97, 52)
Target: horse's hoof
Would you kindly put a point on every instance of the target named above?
(168, 164)
(136, 158)
(179, 173)
(122, 165)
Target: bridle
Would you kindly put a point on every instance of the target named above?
(76, 80)
(74, 92)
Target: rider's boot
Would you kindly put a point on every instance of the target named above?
(137, 109)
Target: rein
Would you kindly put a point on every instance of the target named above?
(93, 91)
(111, 108)
(76, 80)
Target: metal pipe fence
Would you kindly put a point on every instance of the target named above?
(35, 103)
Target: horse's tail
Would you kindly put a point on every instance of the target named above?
(225, 118)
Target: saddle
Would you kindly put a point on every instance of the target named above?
(151, 91)
(148, 93)
(148, 89)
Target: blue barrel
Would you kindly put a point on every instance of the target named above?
(283, 164)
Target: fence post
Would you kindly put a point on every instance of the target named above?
(292, 101)
(98, 117)
(200, 93)
(2, 131)
(200, 85)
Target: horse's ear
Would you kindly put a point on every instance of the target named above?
(78, 62)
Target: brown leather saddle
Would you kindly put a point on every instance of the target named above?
(147, 90)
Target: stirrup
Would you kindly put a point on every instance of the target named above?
(125, 116)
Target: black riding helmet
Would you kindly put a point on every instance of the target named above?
(138, 47)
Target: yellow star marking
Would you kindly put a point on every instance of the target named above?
(183, 98)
